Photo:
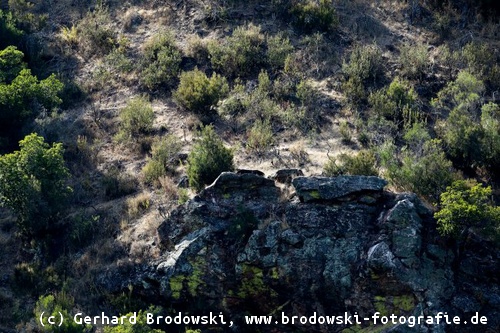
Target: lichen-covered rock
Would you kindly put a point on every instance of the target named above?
(240, 248)
(334, 188)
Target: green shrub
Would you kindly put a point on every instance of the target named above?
(96, 35)
(33, 183)
(363, 68)
(140, 327)
(199, 93)
(449, 59)
(260, 137)
(208, 159)
(241, 54)
(398, 103)
(161, 59)
(163, 157)
(309, 15)
(365, 63)
(278, 48)
(466, 205)
(461, 131)
(22, 95)
(9, 31)
(58, 305)
(490, 123)
(414, 61)
(135, 119)
(478, 59)
(117, 184)
(363, 163)
(427, 172)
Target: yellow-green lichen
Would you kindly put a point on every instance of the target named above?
(380, 305)
(274, 273)
(404, 302)
(315, 194)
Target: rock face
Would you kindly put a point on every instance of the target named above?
(345, 246)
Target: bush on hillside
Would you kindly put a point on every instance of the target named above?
(199, 93)
(414, 61)
(363, 68)
(397, 102)
(160, 62)
(95, 32)
(135, 119)
(241, 54)
(208, 159)
(465, 205)
(310, 15)
(163, 156)
(33, 183)
(362, 163)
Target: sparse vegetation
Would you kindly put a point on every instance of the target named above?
(362, 163)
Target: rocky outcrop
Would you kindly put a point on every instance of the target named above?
(336, 188)
(342, 245)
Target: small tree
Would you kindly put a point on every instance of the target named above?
(208, 159)
(464, 206)
(33, 183)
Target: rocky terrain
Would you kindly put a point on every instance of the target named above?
(245, 246)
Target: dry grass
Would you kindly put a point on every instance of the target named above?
(138, 205)
(169, 188)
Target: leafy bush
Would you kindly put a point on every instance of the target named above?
(56, 305)
(427, 172)
(240, 54)
(140, 327)
(33, 183)
(414, 61)
(135, 119)
(464, 93)
(22, 95)
(461, 131)
(163, 156)
(363, 163)
(490, 123)
(96, 35)
(198, 93)
(478, 59)
(9, 31)
(260, 137)
(363, 68)
(465, 205)
(398, 102)
(278, 48)
(160, 61)
(309, 15)
(208, 159)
